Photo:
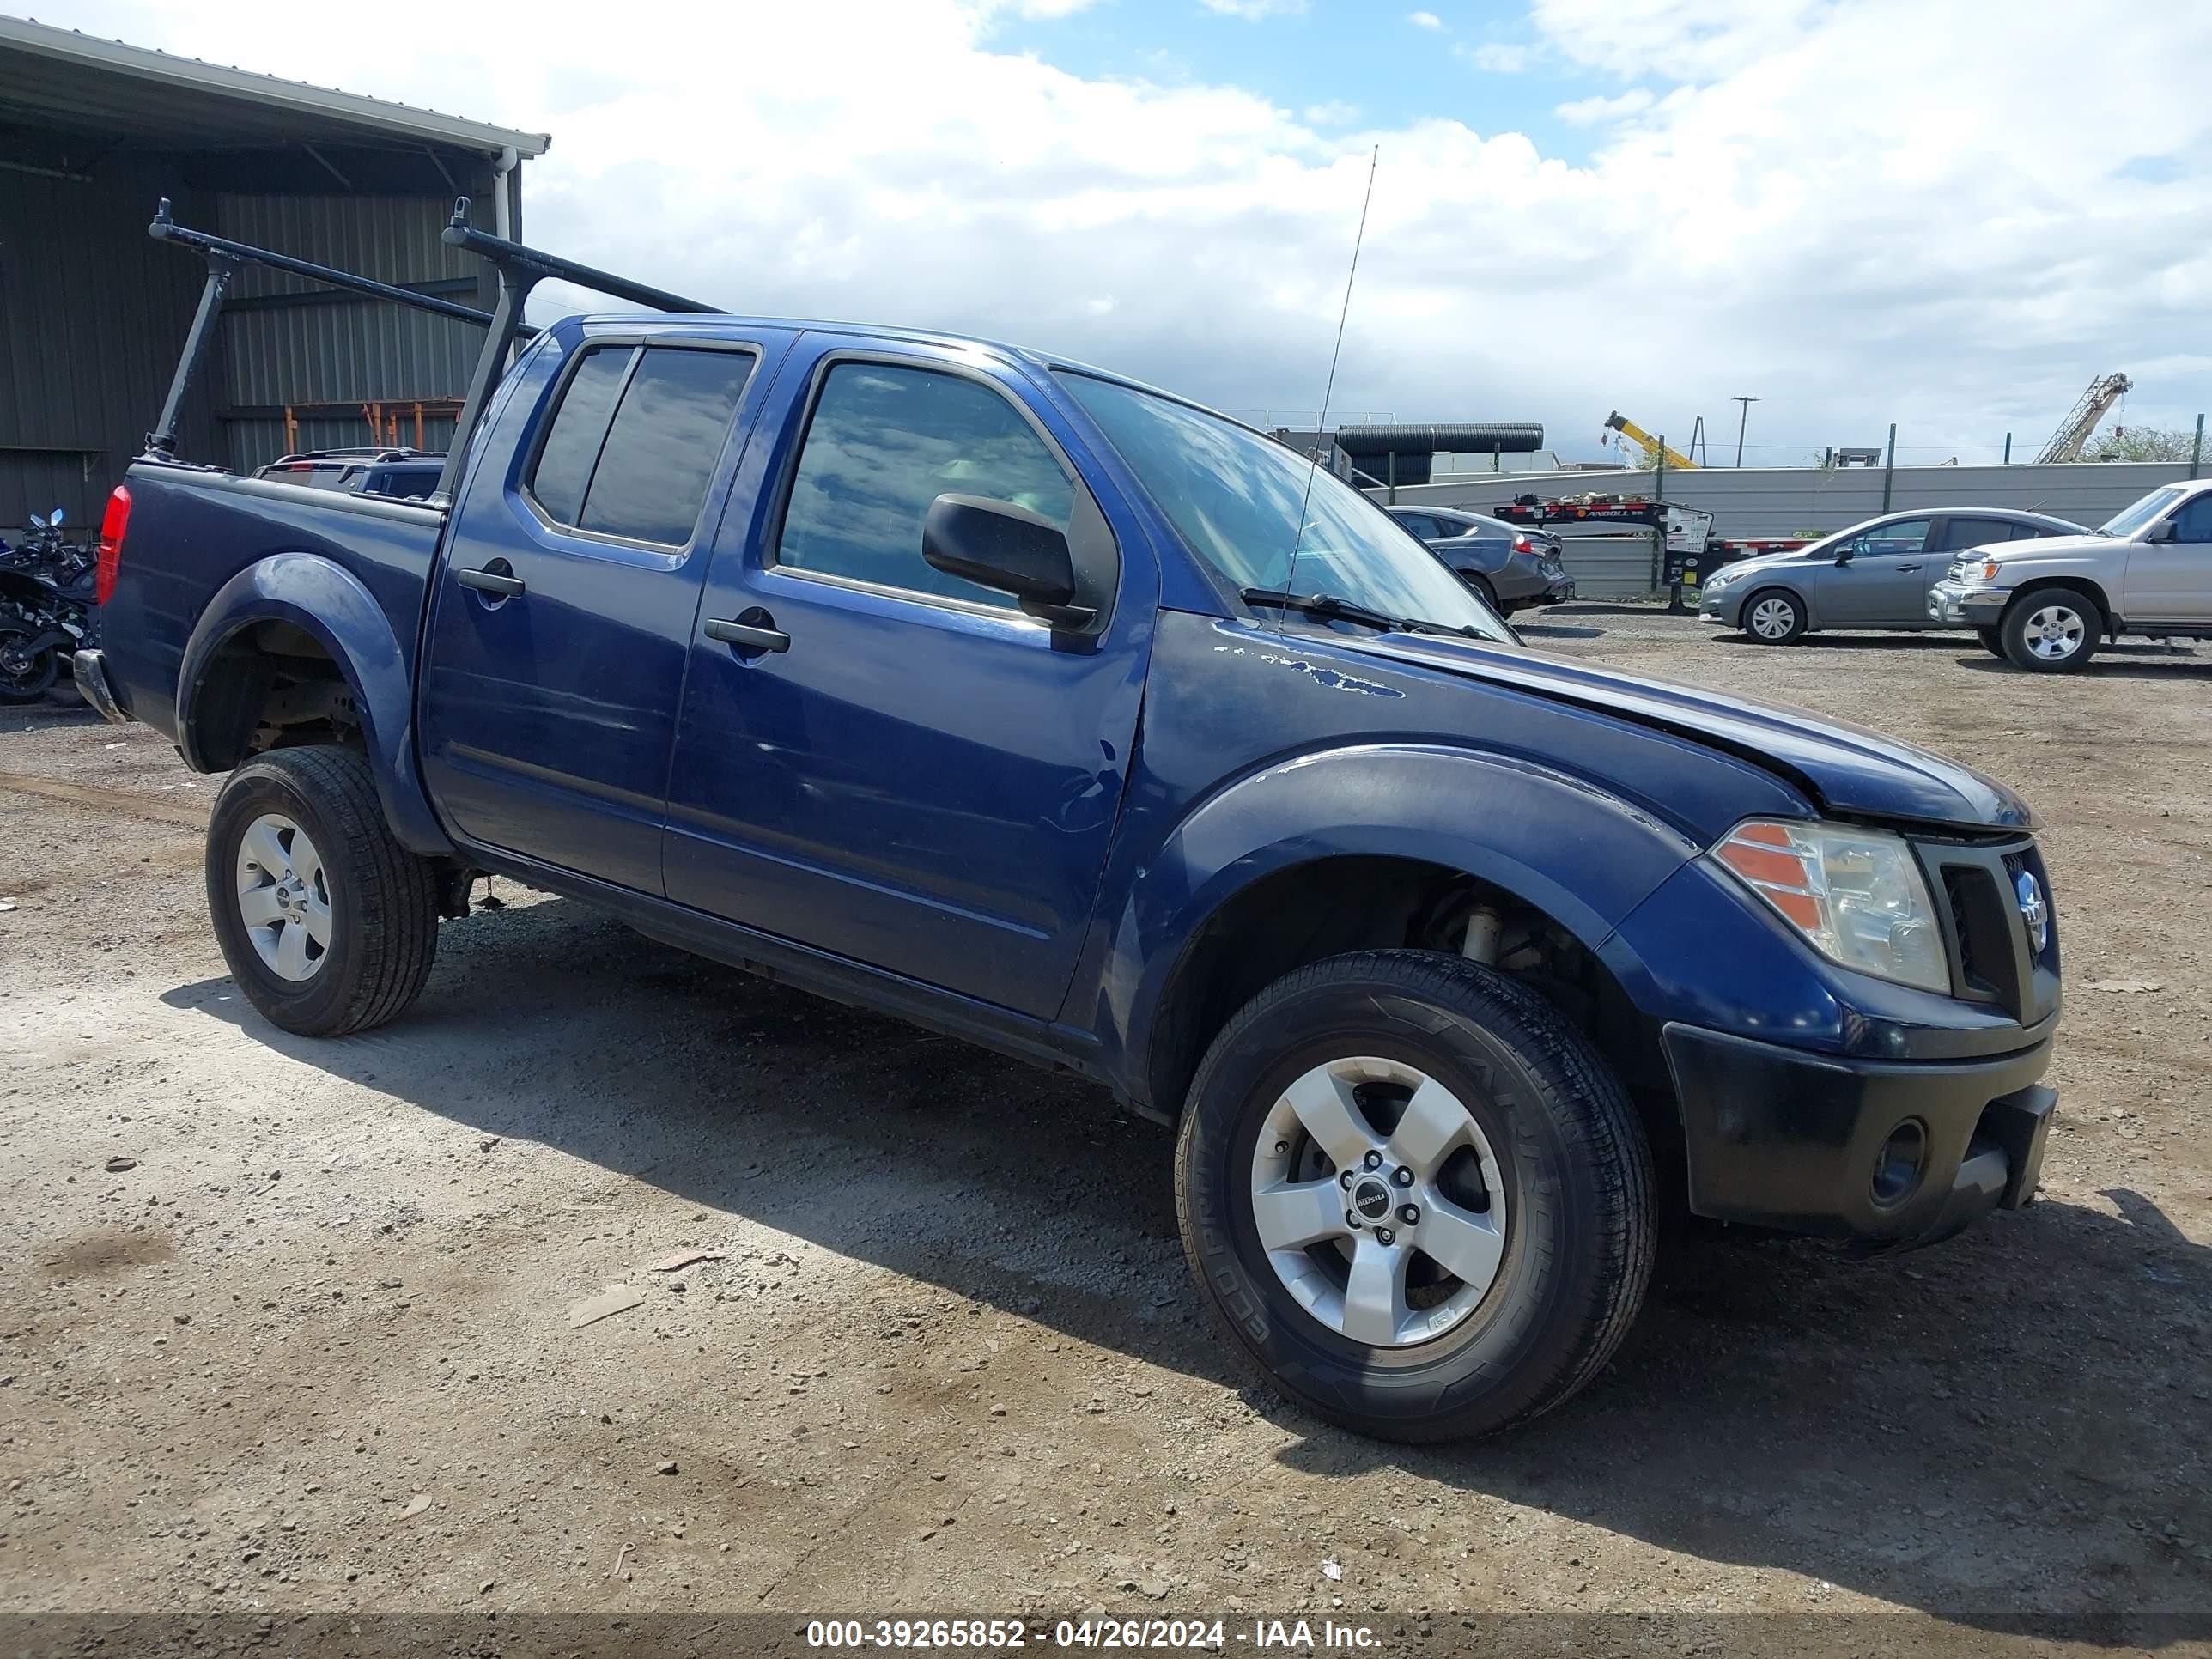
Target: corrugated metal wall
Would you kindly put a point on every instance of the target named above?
(92, 312)
(1608, 567)
(1782, 501)
(340, 348)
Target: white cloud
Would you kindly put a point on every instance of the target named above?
(1599, 112)
(1253, 10)
(1498, 56)
(1335, 113)
(1424, 20)
(1857, 235)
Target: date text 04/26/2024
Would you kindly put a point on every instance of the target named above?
(1214, 1635)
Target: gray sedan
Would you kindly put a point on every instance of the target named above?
(1512, 567)
(1872, 575)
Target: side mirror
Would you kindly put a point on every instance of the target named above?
(1843, 554)
(37, 523)
(54, 518)
(2163, 531)
(1009, 549)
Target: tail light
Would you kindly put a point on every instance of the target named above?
(112, 526)
(1523, 545)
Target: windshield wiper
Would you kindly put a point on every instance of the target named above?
(1331, 608)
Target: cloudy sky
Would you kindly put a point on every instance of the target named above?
(1949, 213)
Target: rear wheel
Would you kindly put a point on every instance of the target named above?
(1992, 641)
(2054, 631)
(1415, 1195)
(328, 923)
(24, 676)
(1774, 615)
(1483, 590)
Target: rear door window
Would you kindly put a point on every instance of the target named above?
(662, 449)
(1961, 533)
(642, 475)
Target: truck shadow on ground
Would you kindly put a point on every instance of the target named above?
(2012, 1421)
(2114, 660)
(2111, 662)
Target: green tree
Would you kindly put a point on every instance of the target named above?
(2143, 443)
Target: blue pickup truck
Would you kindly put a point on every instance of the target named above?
(1054, 711)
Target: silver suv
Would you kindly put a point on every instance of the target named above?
(2046, 605)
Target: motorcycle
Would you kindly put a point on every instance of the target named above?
(47, 611)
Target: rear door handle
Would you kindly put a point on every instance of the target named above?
(747, 635)
(1908, 566)
(489, 581)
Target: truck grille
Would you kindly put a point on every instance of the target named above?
(1992, 953)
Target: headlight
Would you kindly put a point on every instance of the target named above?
(1858, 895)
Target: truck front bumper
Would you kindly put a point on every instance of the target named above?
(1961, 604)
(1887, 1153)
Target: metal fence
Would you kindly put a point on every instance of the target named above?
(1788, 501)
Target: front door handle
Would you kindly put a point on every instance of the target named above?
(1908, 566)
(489, 581)
(748, 635)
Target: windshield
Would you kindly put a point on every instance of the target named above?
(2150, 506)
(1233, 495)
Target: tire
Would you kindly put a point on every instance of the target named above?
(2053, 630)
(1556, 1134)
(24, 678)
(1483, 590)
(1786, 611)
(376, 902)
(1992, 640)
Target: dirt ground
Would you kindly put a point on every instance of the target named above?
(312, 1353)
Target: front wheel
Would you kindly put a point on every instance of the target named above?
(1774, 616)
(328, 923)
(1992, 641)
(24, 676)
(1415, 1195)
(2051, 632)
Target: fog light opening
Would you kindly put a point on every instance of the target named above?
(1898, 1166)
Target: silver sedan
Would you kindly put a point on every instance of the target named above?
(1872, 575)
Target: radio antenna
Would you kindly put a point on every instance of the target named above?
(1328, 391)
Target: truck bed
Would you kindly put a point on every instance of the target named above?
(194, 529)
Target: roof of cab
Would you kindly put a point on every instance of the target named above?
(676, 323)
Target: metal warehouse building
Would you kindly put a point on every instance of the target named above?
(93, 311)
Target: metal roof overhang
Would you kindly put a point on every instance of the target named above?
(60, 82)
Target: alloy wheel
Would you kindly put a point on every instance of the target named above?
(284, 897)
(2054, 632)
(1378, 1200)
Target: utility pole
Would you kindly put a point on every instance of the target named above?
(1740, 424)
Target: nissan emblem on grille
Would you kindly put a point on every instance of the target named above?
(2033, 909)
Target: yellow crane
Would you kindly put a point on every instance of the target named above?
(1628, 428)
(2082, 419)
